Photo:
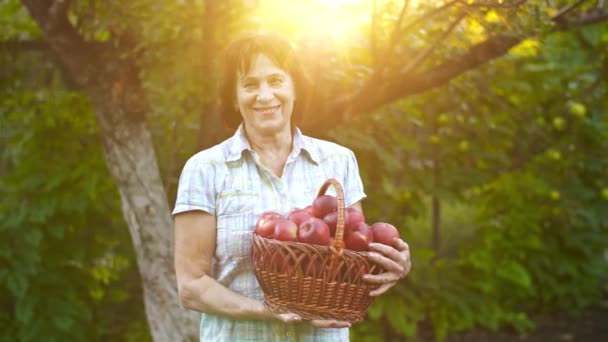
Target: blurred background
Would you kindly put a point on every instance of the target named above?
(480, 128)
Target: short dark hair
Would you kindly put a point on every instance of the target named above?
(238, 57)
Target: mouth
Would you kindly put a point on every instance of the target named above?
(267, 110)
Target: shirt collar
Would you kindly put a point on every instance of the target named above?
(240, 143)
(301, 142)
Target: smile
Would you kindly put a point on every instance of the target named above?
(267, 110)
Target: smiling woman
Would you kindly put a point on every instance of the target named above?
(267, 165)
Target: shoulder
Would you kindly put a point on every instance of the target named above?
(212, 156)
(326, 150)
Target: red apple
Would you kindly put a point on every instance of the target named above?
(309, 209)
(384, 233)
(314, 231)
(285, 230)
(299, 215)
(324, 205)
(353, 217)
(265, 225)
(332, 221)
(358, 237)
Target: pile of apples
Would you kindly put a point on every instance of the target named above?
(316, 224)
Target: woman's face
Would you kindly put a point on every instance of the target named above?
(265, 96)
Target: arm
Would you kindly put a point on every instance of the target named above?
(194, 248)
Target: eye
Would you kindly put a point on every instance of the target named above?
(275, 81)
(249, 85)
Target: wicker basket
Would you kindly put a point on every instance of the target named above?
(316, 282)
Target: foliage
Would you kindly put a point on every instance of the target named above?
(512, 152)
(516, 163)
(67, 266)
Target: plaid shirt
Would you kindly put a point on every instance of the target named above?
(229, 182)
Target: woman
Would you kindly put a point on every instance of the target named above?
(267, 165)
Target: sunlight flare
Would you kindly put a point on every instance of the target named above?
(339, 20)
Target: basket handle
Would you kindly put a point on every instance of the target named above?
(336, 248)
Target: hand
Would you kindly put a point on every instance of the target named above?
(329, 323)
(262, 312)
(395, 260)
(292, 318)
(287, 318)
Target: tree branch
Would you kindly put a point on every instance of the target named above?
(410, 67)
(378, 77)
(402, 86)
(93, 67)
(75, 54)
(557, 16)
(405, 85)
(357, 103)
(428, 15)
(375, 88)
(57, 14)
(24, 45)
(381, 62)
(476, 56)
(590, 17)
(493, 3)
(37, 45)
(393, 40)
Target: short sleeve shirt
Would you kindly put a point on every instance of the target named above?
(229, 182)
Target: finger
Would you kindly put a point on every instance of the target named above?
(383, 288)
(329, 323)
(390, 252)
(405, 252)
(400, 244)
(381, 279)
(391, 265)
(289, 318)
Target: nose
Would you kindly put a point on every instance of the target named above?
(265, 93)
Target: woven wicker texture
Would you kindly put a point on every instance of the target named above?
(316, 282)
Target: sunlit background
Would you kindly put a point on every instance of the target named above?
(340, 21)
(496, 177)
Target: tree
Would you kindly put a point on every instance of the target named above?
(103, 58)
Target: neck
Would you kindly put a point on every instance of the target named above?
(278, 142)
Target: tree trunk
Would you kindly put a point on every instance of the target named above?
(131, 159)
(119, 104)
